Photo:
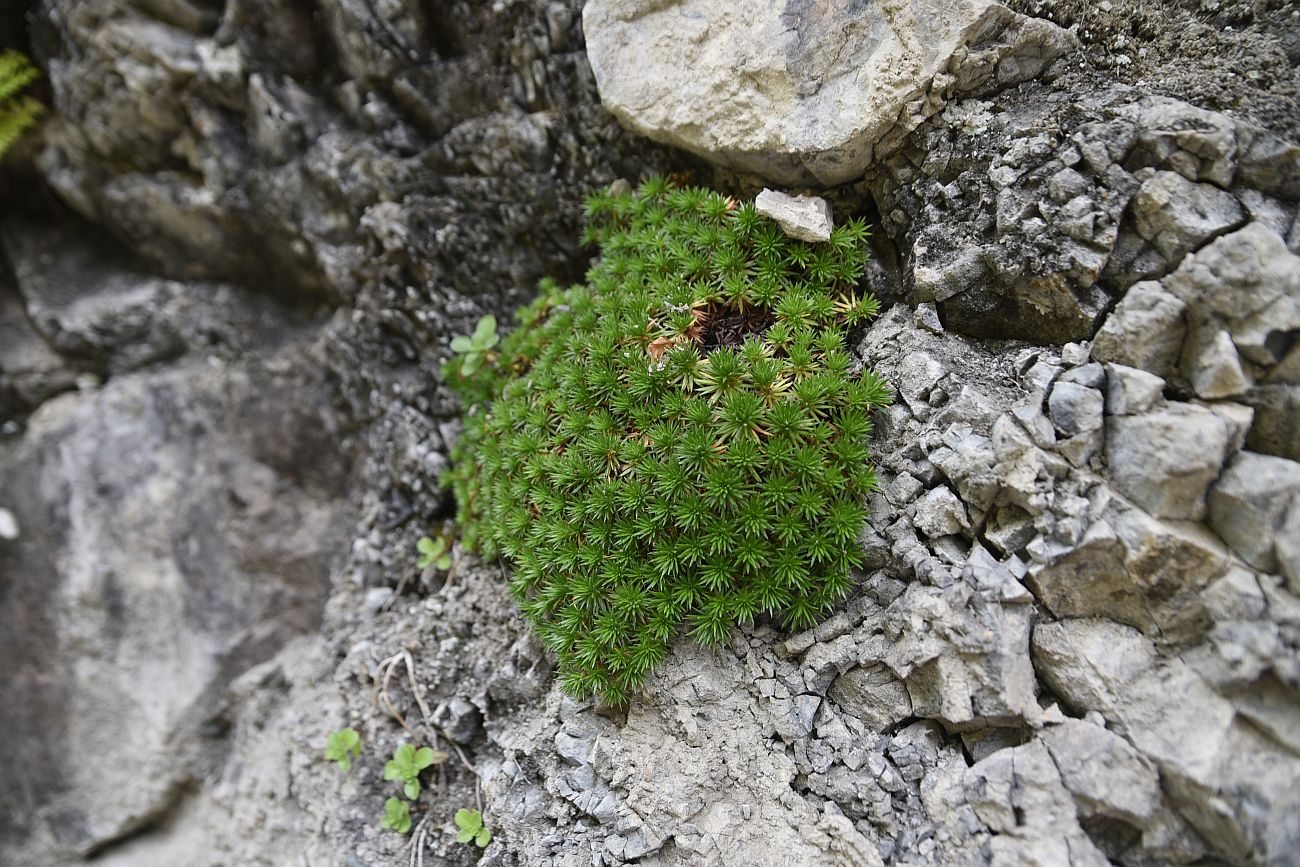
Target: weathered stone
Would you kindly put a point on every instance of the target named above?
(1131, 391)
(1075, 408)
(224, 489)
(1171, 217)
(1106, 775)
(1287, 546)
(1088, 661)
(1212, 365)
(807, 218)
(940, 513)
(1166, 458)
(1145, 330)
(1136, 570)
(1249, 503)
(1208, 759)
(804, 94)
(1249, 282)
(873, 695)
(1019, 795)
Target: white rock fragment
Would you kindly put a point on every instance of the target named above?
(940, 513)
(8, 525)
(807, 218)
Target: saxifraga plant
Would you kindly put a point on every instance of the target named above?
(17, 112)
(683, 439)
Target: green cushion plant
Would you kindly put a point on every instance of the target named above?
(680, 440)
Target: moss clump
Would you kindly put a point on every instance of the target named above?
(680, 440)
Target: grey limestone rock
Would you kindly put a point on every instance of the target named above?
(1075, 408)
(1145, 330)
(1166, 458)
(1104, 773)
(1249, 503)
(1172, 217)
(872, 694)
(940, 513)
(1088, 661)
(1131, 390)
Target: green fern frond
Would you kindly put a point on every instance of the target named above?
(18, 113)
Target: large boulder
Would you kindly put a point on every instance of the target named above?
(802, 92)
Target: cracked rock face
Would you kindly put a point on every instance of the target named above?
(803, 92)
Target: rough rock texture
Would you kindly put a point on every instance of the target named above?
(803, 92)
(229, 267)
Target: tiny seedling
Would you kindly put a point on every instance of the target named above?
(470, 823)
(343, 746)
(474, 349)
(406, 764)
(397, 815)
(433, 552)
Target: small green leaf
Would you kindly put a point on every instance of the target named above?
(487, 327)
(469, 820)
(342, 746)
(397, 815)
(472, 362)
(424, 758)
(483, 837)
(464, 836)
(412, 788)
(461, 344)
(433, 552)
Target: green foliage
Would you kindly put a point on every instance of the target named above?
(433, 552)
(470, 823)
(406, 764)
(681, 440)
(476, 348)
(342, 746)
(17, 112)
(397, 815)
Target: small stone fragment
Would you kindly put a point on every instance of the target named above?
(1214, 366)
(1145, 330)
(1130, 390)
(8, 525)
(1075, 408)
(940, 513)
(873, 695)
(807, 218)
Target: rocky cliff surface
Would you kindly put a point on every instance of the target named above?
(232, 261)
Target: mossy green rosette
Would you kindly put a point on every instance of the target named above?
(683, 439)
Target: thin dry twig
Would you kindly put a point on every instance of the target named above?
(388, 666)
